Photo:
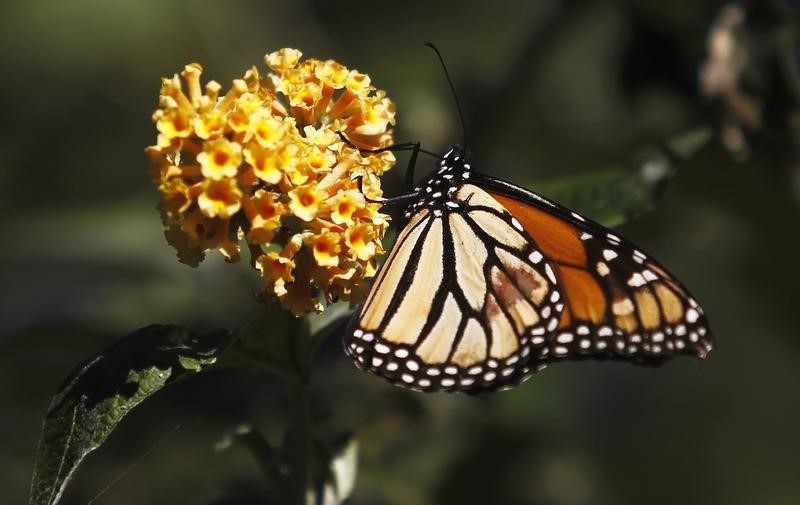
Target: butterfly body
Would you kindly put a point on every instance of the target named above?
(488, 283)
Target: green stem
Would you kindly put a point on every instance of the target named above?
(300, 444)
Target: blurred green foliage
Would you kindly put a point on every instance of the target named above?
(552, 90)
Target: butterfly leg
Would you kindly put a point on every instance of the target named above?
(405, 146)
(387, 201)
(412, 163)
(412, 160)
(414, 147)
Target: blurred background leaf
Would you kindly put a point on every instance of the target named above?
(613, 196)
(552, 90)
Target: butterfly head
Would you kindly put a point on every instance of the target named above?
(437, 190)
(455, 160)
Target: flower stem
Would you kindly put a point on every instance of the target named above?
(300, 441)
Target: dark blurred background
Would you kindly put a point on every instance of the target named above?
(552, 89)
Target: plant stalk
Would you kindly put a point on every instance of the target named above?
(300, 445)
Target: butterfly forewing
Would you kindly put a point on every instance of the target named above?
(619, 303)
(459, 300)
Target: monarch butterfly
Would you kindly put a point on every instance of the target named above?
(488, 283)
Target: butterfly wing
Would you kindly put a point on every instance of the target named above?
(480, 296)
(619, 302)
(458, 302)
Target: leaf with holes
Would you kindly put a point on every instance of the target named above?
(101, 391)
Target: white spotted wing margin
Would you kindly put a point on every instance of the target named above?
(458, 302)
(637, 310)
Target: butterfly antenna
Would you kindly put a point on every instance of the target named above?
(453, 89)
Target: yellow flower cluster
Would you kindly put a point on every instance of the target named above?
(265, 164)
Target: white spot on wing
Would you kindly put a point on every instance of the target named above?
(622, 307)
(564, 338)
(636, 280)
(550, 274)
(649, 275)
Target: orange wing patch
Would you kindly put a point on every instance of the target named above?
(617, 302)
(585, 298)
(557, 239)
(561, 243)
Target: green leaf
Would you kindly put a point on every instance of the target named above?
(268, 457)
(327, 323)
(616, 195)
(101, 391)
(270, 341)
(276, 341)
